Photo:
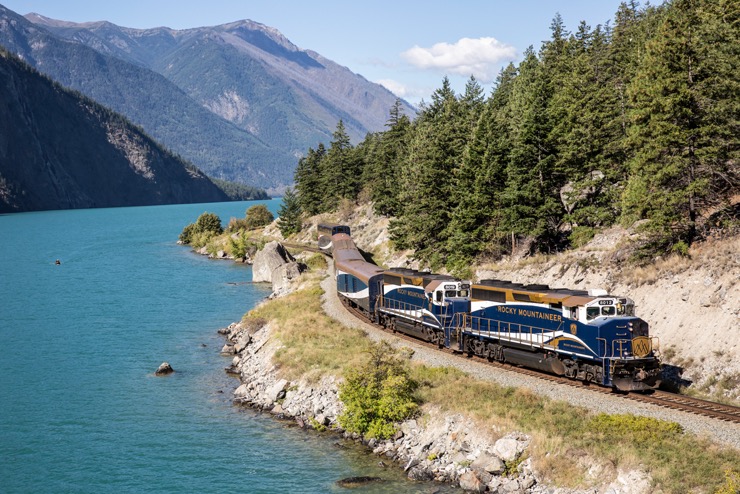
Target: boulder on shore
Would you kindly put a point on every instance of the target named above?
(275, 265)
(272, 256)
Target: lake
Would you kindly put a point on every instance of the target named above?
(80, 407)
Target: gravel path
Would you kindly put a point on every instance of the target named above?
(714, 429)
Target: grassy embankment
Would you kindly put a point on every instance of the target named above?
(315, 345)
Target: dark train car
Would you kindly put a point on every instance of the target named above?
(591, 336)
(423, 304)
(359, 283)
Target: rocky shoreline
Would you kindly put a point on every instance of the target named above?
(442, 449)
(446, 448)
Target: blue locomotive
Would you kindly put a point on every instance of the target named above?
(586, 335)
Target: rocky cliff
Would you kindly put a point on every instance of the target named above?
(60, 150)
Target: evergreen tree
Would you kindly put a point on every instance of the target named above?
(685, 121)
(340, 170)
(531, 204)
(309, 181)
(426, 188)
(289, 214)
(384, 164)
(474, 224)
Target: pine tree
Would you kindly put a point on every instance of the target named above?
(289, 214)
(383, 169)
(685, 121)
(531, 204)
(308, 181)
(340, 170)
(435, 152)
(480, 180)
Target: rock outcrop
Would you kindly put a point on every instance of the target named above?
(274, 264)
(164, 369)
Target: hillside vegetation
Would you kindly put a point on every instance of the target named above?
(61, 150)
(632, 123)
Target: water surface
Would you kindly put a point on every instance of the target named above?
(80, 407)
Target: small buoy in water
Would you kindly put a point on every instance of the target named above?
(57, 261)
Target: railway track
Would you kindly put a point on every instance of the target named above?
(305, 247)
(717, 411)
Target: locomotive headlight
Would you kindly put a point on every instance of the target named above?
(630, 326)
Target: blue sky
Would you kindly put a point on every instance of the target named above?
(407, 45)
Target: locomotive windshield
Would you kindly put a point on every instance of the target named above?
(610, 308)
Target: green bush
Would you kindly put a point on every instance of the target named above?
(238, 247)
(186, 236)
(581, 235)
(197, 234)
(640, 429)
(258, 216)
(209, 222)
(378, 394)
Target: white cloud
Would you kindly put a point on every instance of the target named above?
(480, 57)
(397, 88)
(410, 93)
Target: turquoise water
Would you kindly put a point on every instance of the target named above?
(80, 407)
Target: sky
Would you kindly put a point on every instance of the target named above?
(409, 46)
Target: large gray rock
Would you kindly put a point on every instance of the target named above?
(470, 481)
(283, 275)
(491, 464)
(277, 390)
(272, 256)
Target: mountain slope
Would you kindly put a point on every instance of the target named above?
(60, 150)
(256, 78)
(148, 99)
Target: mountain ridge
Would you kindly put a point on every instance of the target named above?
(62, 150)
(284, 98)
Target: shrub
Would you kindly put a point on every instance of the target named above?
(258, 216)
(198, 233)
(209, 222)
(238, 247)
(378, 394)
(237, 224)
(186, 236)
(581, 235)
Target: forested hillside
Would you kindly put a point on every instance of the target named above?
(148, 99)
(635, 122)
(61, 150)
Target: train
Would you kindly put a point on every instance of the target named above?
(586, 335)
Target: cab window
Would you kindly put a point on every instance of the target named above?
(450, 294)
(592, 313)
(462, 293)
(438, 296)
(608, 310)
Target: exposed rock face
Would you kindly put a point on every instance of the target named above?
(59, 150)
(275, 265)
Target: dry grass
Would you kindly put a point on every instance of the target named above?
(313, 345)
(660, 269)
(563, 433)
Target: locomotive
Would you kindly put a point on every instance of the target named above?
(590, 336)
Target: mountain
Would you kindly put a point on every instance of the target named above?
(148, 99)
(61, 150)
(247, 75)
